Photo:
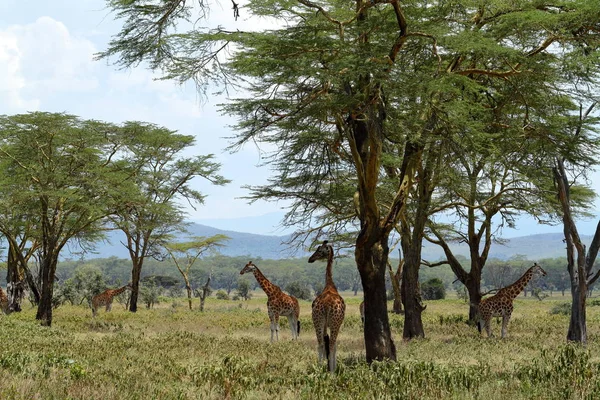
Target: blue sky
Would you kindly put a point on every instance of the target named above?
(46, 64)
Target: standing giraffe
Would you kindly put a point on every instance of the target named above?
(278, 303)
(328, 309)
(501, 304)
(106, 298)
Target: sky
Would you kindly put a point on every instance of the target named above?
(46, 64)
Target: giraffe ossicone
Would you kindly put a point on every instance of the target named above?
(278, 303)
(501, 304)
(328, 310)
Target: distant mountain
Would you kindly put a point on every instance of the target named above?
(533, 247)
(240, 244)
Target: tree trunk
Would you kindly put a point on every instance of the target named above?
(396, 279)
(577, 324)
(188, 287)
(204, 293)
(47, 273)
(14, 283)
(473, 285)
(372, 262)
(136, 272)
(413, 322)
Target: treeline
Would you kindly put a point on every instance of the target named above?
(225, 273)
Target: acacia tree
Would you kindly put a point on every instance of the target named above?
(572, 198)
(60, 177)
(148, 214)
(191, 250)
(353, 98)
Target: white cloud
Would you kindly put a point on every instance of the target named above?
(41, 59)
(12, 81)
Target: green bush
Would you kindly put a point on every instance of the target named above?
(299, 290)
(433, 289)
(561, 309)
(222, 295)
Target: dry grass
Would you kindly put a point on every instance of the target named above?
(171, 352)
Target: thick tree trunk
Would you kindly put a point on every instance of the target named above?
(473, 285)
(413, 322)
(577, 324)
(47, 273)
(372, 262)
(136, 272)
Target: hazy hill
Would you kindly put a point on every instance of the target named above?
(534, 247)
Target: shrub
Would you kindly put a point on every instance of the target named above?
(243, 290)
(561, 309)
(222, 295)
(433, 289)
(299, 290)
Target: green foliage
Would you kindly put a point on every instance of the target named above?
(222, 295)
(243, 289)
(433, 289)
(299, 290)
(561, 309)
(150, 293)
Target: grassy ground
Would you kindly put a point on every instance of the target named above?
(171, 352)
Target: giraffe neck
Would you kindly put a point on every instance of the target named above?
(118, 291)
(328, 272)
(516, 288)
(264, 283)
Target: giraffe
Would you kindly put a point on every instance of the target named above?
(328, 310)
(106, 298)
(3, 301)
(501, 304)
(278, 303)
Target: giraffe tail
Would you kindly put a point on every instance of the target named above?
(327, 351)
(298, 331)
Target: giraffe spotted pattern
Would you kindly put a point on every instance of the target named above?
(106, 298)
(501, 304)
(278, 303)
(328, 310)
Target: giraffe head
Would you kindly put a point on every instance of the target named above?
(537, 270)
(250, 267)
(322, 252)
(129, 286)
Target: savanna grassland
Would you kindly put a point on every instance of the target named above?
(170, 352)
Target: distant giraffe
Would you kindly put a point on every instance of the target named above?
(328, 310)
(278, 303)
(106, 298)
(3, 301)
(501, 304)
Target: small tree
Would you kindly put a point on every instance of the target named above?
(299, 290)
(433, 289)
(243, 289)
(191, 250)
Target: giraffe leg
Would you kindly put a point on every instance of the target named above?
(109, 306)
(293, 325)
(333, 347)
(320, 332)
(488, 328)
(505, 319)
